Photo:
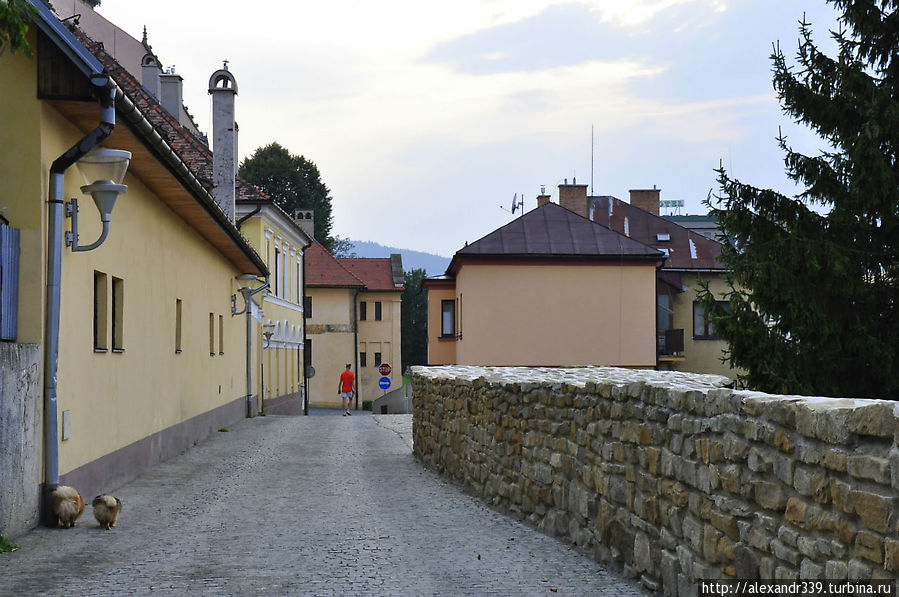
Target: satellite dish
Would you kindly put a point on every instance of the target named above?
(516, 203)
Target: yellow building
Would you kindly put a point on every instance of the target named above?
(353, 311)
(149, 358)
(550, 288)
(278, 361)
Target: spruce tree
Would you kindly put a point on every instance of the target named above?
(813, 300)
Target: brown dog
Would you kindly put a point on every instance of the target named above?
(67, 505)
(106, 510)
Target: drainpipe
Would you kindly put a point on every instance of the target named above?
(250, 337)
(303, 298)
(106, 89)
(356, 341)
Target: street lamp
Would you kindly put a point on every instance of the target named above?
(243, 282)
(103, 171)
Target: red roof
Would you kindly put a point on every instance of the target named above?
(322, 269)
(376, 272)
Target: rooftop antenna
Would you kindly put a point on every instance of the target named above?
(519, 204)
(591, 160)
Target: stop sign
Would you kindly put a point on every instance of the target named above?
(384, 369)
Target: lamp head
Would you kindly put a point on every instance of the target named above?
(244, 281)
(103, 171)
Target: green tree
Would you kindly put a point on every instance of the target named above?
(813, 292)
(414, 319)
(293, 182)
(15, 16)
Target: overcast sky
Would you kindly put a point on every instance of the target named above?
(424, 117)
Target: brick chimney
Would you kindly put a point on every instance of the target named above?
(305, 219)
(170, 96)
(223, 88)
(542, 200)
(573, 197)
(646, 199)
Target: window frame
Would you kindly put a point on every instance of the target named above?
(451, 303)
(363, 311)
(708, 327)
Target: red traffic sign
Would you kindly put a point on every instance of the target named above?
(384, 369)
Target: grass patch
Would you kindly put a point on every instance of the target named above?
(366, 404)
(224, 430)
(6, 546)
(407, 380)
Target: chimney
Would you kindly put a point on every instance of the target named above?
(542, 200)
(646, 199)
(223, 88)
(396, 269)
(305, 219)
(170, 93)
(573, 197)
(149, 74)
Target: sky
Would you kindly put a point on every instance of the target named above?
(425, 119)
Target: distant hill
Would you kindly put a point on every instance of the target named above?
(435, 265)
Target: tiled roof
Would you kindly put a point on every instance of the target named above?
(551, 231)
(193, 151)
(375, 272)
(686, 249)
(324, 270)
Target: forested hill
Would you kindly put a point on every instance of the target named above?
(435, 265)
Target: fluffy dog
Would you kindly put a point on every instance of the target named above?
(106, 510)
(67, 505)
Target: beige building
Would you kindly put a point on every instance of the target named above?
(550, 288)
(353, 317)
(149, 358)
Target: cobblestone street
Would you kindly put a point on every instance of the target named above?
(318, 505)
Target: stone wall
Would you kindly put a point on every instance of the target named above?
(674, 475)
(20, 437)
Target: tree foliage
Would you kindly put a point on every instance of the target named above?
(813, 297)
(15, 17)
(414, 315)
(293, 183)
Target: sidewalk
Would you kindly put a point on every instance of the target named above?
(301, 506)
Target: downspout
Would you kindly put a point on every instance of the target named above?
(107, 90)
(250, 337)
(305, 379)
(356, 342)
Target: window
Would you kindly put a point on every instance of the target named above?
(377, 359)
(363, 311)
(363, 359)
(307, 307)
(101, 307)
(377, 310)
(118, 309)
(703, 326)
(221, 335)
(211, 335)
(277, 271)
(307, 354)
(299, 286)
(448, 318)
(178, 326)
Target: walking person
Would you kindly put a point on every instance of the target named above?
(345, 389)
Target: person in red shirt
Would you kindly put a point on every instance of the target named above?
(345, 389)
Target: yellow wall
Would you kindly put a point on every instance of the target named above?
(380, 336)
(331, 331)
(24, 201)
(440, 352)
(555, 315)
(115, 399)
(700, 356)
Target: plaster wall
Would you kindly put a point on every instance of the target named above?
(701, 356)
(440, 351)
(382, 336)
(556, 315)
(331, 331)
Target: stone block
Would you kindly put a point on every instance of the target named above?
(642, 553)
(769, 495)
(759, 461)
(810, 570)
(859, 570)
(875, 510)
(725, 523)
(869, 467)
(710, 551)
(869, 546)
(766, 567)
(827, 420)
(834, 459)
(875, 419)
(839, 495)
(670, 569)
(836, 570)
(807, 547)
(891, 555)
(783, 468)
(811, 482)
(783, 573)
(788, 535)
(808, 451)
(783, 442)
(759, 539)
(845, 531)
(692, 533)
(787, 554)
(653, 458)
(746, 562)
(796, 511)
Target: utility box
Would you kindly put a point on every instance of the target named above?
(9, 283)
